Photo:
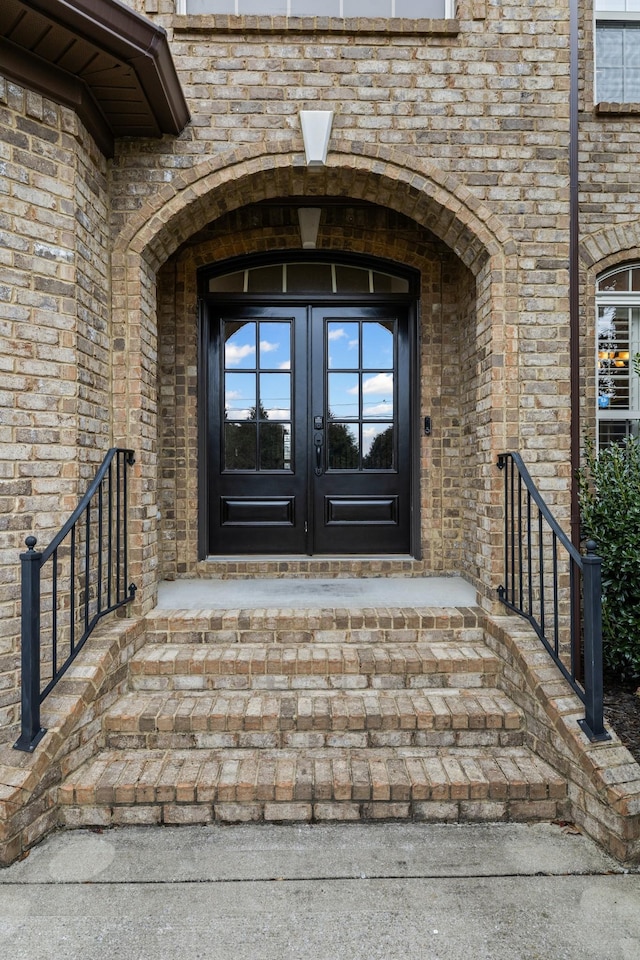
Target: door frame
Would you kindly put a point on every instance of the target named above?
(410, 300)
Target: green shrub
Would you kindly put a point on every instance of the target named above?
(609, 485)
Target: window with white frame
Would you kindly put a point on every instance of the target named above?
(411, 9)
(617, 45)
(618, 342)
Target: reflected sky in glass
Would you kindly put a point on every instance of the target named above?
(377, 395)
(240, 345)
(275, 346)
(240, 396)
(344, 395)
(342, 346)
(377, 346)
(275, 396)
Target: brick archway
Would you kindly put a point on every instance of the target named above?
(219, 185)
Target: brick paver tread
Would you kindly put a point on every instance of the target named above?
(312, 659)
(313, 710)
(337, 775)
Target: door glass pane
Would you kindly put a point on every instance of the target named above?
(275, 346)
(240, 446)
(343, 395)
(377, 345)
(377, 446)
(377, 395)
(275, 446)
(342, 345)
(240, 344)
(275, 396)
(344, 446)
(240, 396)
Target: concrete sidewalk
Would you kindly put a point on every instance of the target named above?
(325, 892)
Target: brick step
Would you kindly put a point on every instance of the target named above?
(312, 666)
(303, 719)
(198, 786)
(370, 625)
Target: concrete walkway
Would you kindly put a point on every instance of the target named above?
(301, 593)
(320, 892)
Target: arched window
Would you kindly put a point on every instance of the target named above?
(316, 277)
(618, 343)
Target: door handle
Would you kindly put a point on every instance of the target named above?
(319, 440)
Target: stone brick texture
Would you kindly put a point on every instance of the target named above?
(450, 141)
(341, 730)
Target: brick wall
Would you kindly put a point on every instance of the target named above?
(462, 129)
(54, 293)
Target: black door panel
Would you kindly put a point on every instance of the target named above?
(309, 429)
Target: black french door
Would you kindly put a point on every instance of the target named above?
(309, 436)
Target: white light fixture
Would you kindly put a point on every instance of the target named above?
(316, 130)
(309, 220)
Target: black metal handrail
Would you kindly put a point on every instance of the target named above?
(86, 580)
(555, 588)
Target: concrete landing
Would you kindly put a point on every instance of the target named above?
(320, 892)
(301, 594)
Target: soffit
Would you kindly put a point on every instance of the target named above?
(99, 57)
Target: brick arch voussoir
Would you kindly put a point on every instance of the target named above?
(610, 246)
(383, 176)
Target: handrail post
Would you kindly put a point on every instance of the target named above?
(593, 723)
(31, 733)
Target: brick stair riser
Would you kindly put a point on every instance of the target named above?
(331, 682)
(312, 739)
(429, 811)
(182, 633)
(331, 666)
(200, 786)
(310, 716)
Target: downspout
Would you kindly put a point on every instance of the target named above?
(574, 272)
(574, 308)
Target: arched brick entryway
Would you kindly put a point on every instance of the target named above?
(464, 227)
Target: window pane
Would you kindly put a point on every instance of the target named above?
(275, 396)
(240, 446)
(377, 396)
(265, 280)
(231, 283)
(385, 283)
(275, 346)
(377, 345)
(310, 8)
(264, 7)
(240, 344)
(344, 447)
(369, 8)
(342, 345)
(343, 395)
(309, 278)
(377, 446)
(612, 431)
(275, 446)
(618, 62)
(427, 8)
(613, 358)
(352, 279)
(240, 396)
(617, 282)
